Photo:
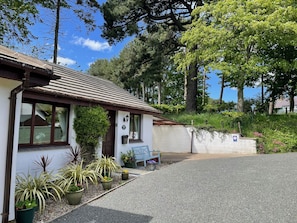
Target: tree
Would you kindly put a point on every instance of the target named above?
(126, 18)
(230, 35)
(84, 9)
(107, 69)
(18, 15)
(16, 18)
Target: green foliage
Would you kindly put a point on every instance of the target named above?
(275, 133)
(74, 188)
(228, 36)
(128, 157)
(90, 123)
(76, 174)
(168, 109)
(104, 166)
(26, 204)
(37, 188)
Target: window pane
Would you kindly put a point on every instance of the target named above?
(61, 124)
(25, 123)
(42, 124)
(135, 126)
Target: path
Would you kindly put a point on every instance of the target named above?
(243, 189)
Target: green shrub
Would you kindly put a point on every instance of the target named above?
(90, 123)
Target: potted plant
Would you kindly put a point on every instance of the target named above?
(106, 182)
(104, 166)
(151, 165)
(73, 177)
(74, 194)
(125, 175)
(38, 188)
(128, 159)
(25, 211)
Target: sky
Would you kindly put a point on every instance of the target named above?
(78, 48)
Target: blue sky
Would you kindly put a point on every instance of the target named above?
(78, 48)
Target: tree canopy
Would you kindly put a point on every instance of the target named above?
(229, 35)
(129, 17)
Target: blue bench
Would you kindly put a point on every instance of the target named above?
(143, 154)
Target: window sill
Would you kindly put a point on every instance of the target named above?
(135, 140)
(27, 148)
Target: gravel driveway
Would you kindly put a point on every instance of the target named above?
(247, 189)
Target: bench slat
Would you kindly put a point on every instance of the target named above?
(143, 154)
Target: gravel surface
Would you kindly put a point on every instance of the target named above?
(55, 209)
(259, 189)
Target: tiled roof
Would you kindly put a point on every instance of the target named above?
(84, 87)
(10, 55)
(163, 121)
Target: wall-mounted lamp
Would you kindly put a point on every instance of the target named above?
(126, 118)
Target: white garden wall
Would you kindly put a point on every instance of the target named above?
(182, 139)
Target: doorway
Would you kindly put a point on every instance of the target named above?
(109, 140)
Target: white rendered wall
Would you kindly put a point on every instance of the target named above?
(180, 139)
(59, 155)
(5, 88)
(122, 128)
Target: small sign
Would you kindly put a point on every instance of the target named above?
(235, 138)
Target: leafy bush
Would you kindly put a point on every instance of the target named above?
(90, 123)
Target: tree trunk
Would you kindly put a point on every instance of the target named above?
(222, 89)
(262, 89)
(185, 86)
(240, 99)
(55, 56)
(143, 91)
(159, 93)
(271, 105)
(191, 97)
(204, 88)
(292, 104)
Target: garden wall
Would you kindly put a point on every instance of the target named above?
(183, 139)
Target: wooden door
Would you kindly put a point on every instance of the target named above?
(108, 142)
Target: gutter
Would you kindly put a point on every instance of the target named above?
(9, 152)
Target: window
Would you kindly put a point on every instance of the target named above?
(135, 127)
(43, 123)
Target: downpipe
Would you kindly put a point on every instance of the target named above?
(9, 152)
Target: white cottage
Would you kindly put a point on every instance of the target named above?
(39, 122)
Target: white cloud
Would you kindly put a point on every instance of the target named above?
(64, 61)
(91, 44)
